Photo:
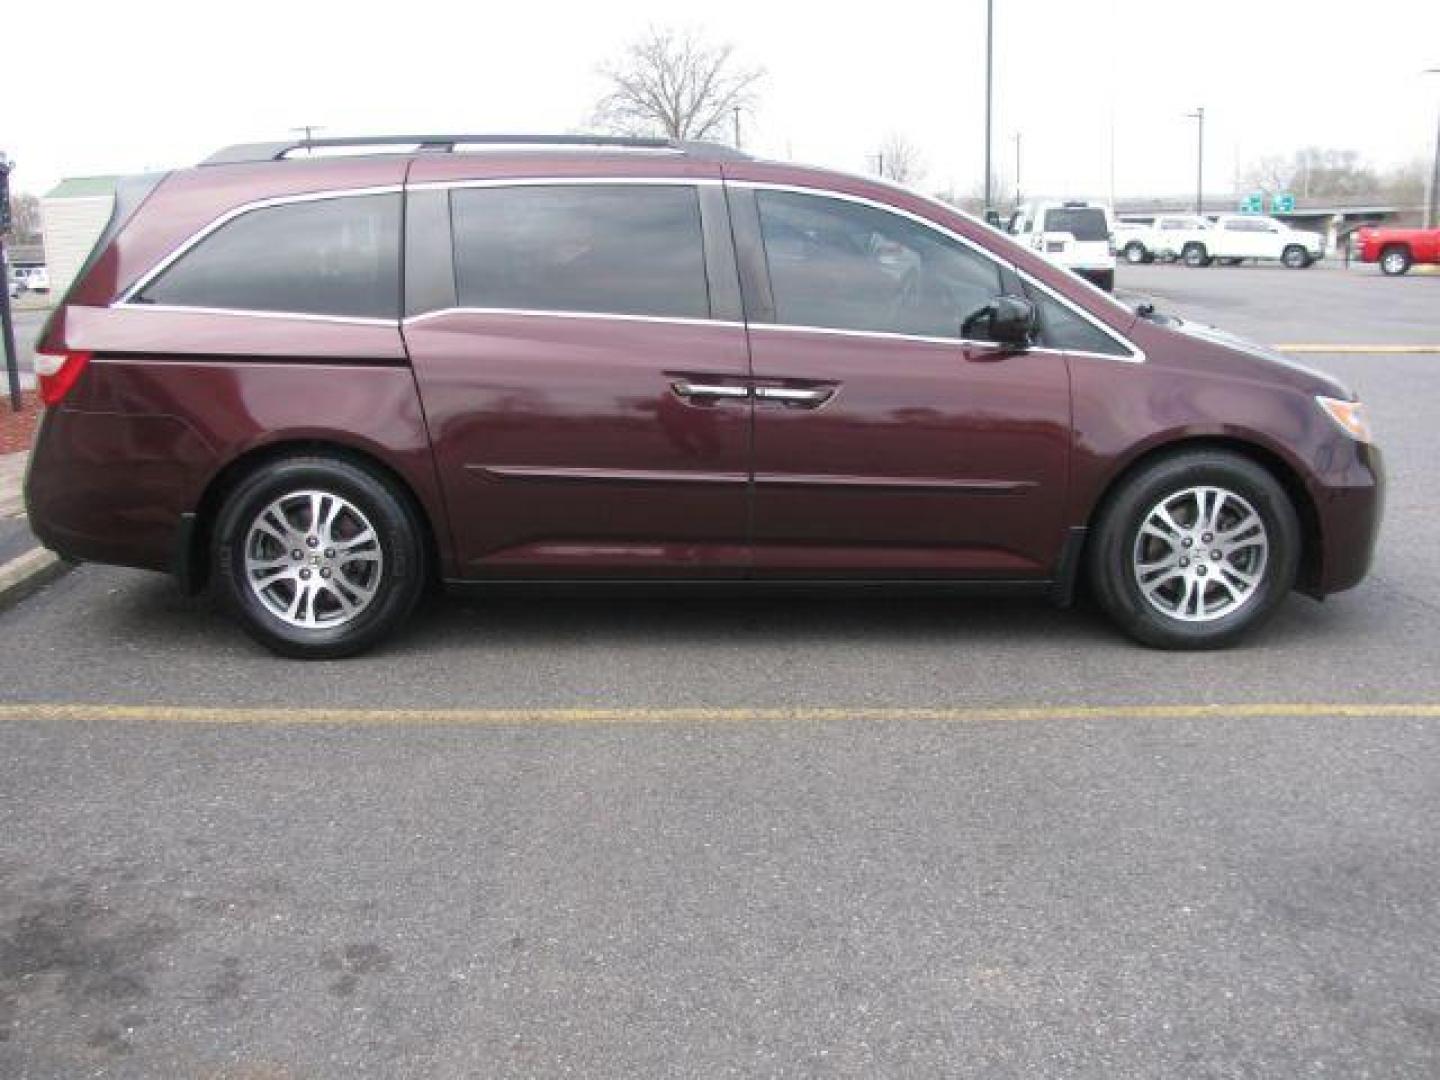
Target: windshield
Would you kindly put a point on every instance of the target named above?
(1085, 223)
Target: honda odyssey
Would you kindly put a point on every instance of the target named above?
(319, 382)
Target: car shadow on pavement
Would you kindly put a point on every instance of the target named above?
(148, 611)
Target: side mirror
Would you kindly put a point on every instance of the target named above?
(1007, 320)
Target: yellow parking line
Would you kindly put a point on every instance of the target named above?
(1391, 350)
(286, 717)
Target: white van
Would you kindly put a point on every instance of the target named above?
(1076, 234)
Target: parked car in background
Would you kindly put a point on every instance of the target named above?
(1075, 234)
(663, 362)
(1396, 250)
(1234, 238)
(37, 279)
(1143, 240)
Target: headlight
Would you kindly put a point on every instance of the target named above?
(1350, 415)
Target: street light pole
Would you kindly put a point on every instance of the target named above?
(1432, 201)
(737, 127)
(989, 88)
(1199, 116)
(1017, 170)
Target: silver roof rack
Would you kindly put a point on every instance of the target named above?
(449, 144)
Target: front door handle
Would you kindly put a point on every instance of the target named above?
(796, 396)
(687, 389)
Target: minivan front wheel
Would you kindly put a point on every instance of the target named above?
(1195, 255)
(318, 557)
(1195, 550)
(1295, 257)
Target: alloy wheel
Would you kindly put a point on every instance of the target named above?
(1200, 554)
(313, 559)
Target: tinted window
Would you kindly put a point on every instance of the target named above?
(1061, 328)
(1085, 223)
(851, 267)
(325, 257)
(1246, 225)
(610, 248)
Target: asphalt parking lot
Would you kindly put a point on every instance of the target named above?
(749, 837)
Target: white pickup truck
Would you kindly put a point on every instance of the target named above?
(1143, 240)
(1233, 238)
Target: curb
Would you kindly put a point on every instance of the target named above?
(25, 573)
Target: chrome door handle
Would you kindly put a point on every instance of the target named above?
(687, 389)
(789, 395)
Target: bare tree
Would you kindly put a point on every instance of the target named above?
(673, 83)
(1314, 172)
(24, 218)
(899, 161)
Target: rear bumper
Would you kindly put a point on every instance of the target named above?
(111, 488)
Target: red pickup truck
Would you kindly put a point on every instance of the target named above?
(1396, 250)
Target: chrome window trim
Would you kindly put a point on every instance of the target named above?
(680, 320)
(564, 181)
(127, 297)
(1137, 354)
(127, 300)
(350, 320)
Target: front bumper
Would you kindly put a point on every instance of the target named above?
(1349, 515)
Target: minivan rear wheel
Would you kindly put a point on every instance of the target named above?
(1195, 255)
(1195, 550)
(318, 557)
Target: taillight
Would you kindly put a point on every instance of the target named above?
(57, 373)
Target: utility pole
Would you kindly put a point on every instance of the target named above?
(308, 130)
(989, 89)
(1017, 170)
(1432, 200)
(1199, 116)
(7, 326)
(737, 127)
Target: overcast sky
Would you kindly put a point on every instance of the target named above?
(102, 87)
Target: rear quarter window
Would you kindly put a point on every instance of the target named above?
(335, 256)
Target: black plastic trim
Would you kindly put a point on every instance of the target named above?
(1067, 569)
(750, 255)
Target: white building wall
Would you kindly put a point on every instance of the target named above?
(72, 225)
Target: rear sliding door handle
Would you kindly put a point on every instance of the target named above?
(687, 389)
(789, 395)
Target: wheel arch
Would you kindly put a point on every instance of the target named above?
(1285, 474)
(193, 558)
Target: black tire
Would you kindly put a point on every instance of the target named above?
(1195, 255)
(1135, 253)
(1295, 257)
(1395, 261)
(399, 580)
(1114, 548)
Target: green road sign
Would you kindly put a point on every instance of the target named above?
(1282, 203)
(1253, 203)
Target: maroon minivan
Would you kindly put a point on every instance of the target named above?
(320, 381)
